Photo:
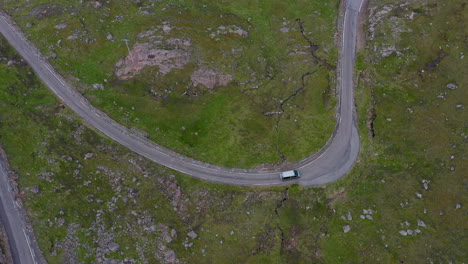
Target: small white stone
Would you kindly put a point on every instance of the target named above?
(346, 228)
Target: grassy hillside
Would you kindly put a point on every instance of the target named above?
(257, 45)
(403, 202)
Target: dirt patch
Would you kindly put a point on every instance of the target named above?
(209, 78)
(362, 21)
(167, 55)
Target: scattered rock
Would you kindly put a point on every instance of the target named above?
(284, 30)
(362, 217)
(231, 29)
(29, 24)
(418, 195)
(113, 246)
(60, 222)
(147, 54)
(35, 189)
(409, 232)
(61, 26)
(387, 51)
(350, 217)
(164, 230)
(53, 55)
(168, 255)
(110, 37)
(96, 4)
(421, 223)
(457, 206)
(452, 86)
(346, 228)
(369, 217)
(192, 234)
(98, 86)
(88, 156)
(209, 78)
(425, 184)
(166, 27)
(403, 232)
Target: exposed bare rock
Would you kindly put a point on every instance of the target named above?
(113, 247)
(166, 255)
(192, 234)
(346, 228)
(375, 18)
(209, 78)
(149, 54)
(166, 27)
(421, 223)
(165, 236)
(231, 29)
(96, 4)
(61, 26)
(88, 156)
(452, 86)
(98, 86)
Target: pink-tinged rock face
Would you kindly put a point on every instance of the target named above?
(145, 54)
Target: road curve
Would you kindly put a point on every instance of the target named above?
(330, 164)
(23, 247)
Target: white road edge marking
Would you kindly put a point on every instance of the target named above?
(33, 256)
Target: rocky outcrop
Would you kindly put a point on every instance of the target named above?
(209, 78)
(174, 55)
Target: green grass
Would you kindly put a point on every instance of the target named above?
(39, 136)
(230, 121)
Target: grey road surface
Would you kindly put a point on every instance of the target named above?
(20, 238)
(331, 163)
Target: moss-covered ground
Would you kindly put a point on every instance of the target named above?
(226, 125)
(411, 170)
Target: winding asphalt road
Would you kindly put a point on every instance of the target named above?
(21, 240)
(328, 165)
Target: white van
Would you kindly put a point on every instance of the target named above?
(290, 174)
